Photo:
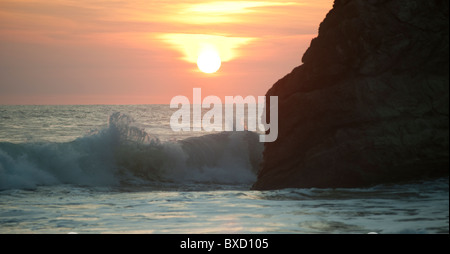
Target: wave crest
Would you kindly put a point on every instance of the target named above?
(125, 154)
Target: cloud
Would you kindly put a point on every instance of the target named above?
(136, 47)
(190, 45)
(223, 11)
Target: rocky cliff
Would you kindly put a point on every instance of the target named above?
(369, 104)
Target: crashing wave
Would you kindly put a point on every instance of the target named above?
(123, 153)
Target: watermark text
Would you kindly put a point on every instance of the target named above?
(235, 117)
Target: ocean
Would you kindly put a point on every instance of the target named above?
(121, 169)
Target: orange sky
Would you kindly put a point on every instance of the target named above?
(143, 52)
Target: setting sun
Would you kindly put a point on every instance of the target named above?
(208, 60)
(141, 52)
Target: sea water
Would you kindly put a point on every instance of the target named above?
(121, 169)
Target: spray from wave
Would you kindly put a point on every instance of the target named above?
(124, 154)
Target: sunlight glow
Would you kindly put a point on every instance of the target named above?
(84, 48)
(192, 45)
(232, 7)
(222, 11)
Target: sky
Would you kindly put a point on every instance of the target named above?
(145, 52)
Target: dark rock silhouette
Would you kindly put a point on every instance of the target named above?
(370, 104)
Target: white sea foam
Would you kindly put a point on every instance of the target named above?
(123, 153)
(129, 176)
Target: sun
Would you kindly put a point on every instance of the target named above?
(208, 60)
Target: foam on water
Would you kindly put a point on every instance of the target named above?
(126, 154)
(68, 169)
(411, 208)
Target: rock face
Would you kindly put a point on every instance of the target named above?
(370, 104)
